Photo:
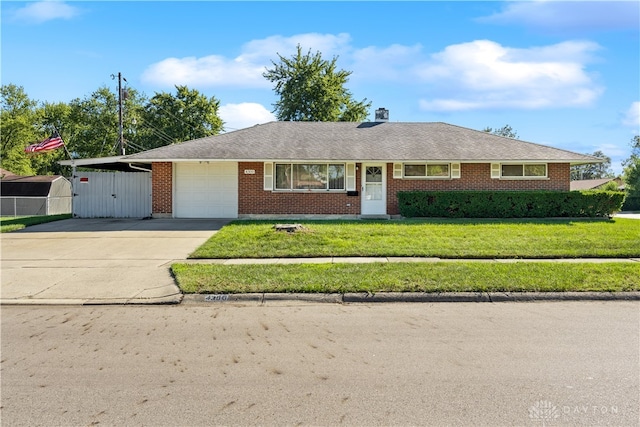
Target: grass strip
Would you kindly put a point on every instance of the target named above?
(462, 238)
(8, 224)
(408, 277)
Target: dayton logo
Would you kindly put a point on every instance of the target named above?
(544, 411)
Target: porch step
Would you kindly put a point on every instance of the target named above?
(375, 217)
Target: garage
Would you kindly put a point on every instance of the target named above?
(206, 190)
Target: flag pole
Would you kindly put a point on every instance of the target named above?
(64, 145)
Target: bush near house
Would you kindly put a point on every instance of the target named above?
(509, 204)
(631, 203)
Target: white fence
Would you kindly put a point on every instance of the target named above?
(112, 195)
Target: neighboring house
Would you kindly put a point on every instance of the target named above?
(34, 195)
(595, 184)
(339, 169)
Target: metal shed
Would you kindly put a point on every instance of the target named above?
(34, 195)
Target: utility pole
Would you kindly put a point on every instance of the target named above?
(120, 125)
(120, 121)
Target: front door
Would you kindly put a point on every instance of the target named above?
(374, 189)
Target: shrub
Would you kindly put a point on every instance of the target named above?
(631, 203)
(509, 204)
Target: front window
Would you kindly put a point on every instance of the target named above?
(309, 176)
(426, 170)
(533, 170)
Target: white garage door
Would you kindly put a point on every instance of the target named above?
(206, 190)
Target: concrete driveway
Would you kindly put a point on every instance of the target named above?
(98, 261)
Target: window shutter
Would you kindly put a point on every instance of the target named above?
(268, 176)
(397, 171)
(351, 176)
(495, 170)
(455, 170)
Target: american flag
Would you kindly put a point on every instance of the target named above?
(51, 143)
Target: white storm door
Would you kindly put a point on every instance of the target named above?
(374, 189)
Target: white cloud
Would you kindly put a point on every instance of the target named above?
(266, 50)
(569, 15)
(43, 11)
(246, 114)
(632, 116)
(207, 71)
(615, 151)
(246, 69)
(389, 63)
(484, 75)
(469, 76)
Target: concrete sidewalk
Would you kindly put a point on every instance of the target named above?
(98, 261)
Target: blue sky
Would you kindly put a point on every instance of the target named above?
(565, 74)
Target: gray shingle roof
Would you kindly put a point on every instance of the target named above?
(349, 141)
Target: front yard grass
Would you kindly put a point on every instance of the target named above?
(8, 224)
(462, 276)
(474, 239)
(454, 239)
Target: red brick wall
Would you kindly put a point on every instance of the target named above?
(162, 187)
(253, 199)
(476, 176)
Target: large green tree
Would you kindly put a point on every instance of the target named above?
(632, 168)
(93, 122)
(89, 126)
(52, 116)
(169, 118)
(593, 170)
(313, 89)
(19, 122)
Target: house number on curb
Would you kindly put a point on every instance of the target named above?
(222, 297)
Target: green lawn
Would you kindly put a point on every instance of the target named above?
(475, 239)
(463, 276)
(8, 224)
(429, 238)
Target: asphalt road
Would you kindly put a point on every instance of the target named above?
(556, 363)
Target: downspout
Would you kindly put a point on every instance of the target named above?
(138, 168)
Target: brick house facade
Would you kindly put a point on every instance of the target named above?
(254, 200)
(344, 169)
(341, 169)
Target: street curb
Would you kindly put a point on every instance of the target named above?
(380, 297)
(166, 300)
(492, 296)
(261, 298)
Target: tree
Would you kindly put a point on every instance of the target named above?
(168, 118)
(313, 89)
(18, 128)
(506, 131)
(593, 170)
(52, 116)
(632, 168)
(93, 122)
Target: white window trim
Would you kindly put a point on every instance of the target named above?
(398, 169)
(450, 176)
(349, 176)
(268, 176)
(313, 190)
(521, 178)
